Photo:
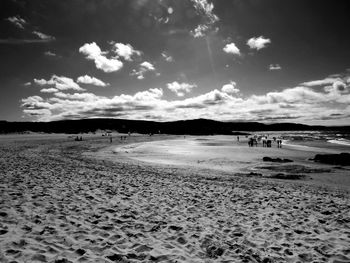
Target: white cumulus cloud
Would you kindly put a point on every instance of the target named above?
(125, 51)
(59, 82)
(143, 69)
(275, 67)
(205, 9)
(93, 52)
(230, 88)
(91, 80)
(180, 89)
(49, 90)
(199, 31)
(258, 42)
(231, 48)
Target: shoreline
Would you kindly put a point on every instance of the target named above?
(215, 154)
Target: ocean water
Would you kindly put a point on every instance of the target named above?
(322, 139)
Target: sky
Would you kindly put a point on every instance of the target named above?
(163, 60)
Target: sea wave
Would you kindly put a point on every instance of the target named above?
(341, 141)
(308, 148)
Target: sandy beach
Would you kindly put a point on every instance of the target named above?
(168, 199)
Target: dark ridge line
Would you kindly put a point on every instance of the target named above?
(190, 127)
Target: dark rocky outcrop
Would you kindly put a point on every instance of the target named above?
(335, 159)
(287, 176)
(276, 160)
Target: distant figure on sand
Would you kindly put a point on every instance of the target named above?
(252, 142)
(237, 138)
(110, 139)
(268, 143)
(279, 143)
(78, 139)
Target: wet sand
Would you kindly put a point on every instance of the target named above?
(66, 201)
(226, 154)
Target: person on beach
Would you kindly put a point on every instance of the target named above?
(279, 143)
(237, 138)
(264, 141)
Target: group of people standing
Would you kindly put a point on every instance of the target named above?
(266, 142)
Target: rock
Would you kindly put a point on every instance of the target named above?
(334, 159)
(287, 176)
(276, 160)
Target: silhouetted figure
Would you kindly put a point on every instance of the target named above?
(237, 138)
(279, 143)
(252, 142)
(110, 139)
(268, 143)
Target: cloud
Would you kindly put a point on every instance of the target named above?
(92, 81)
(167, 57)
(230, 88)
(17, 21)
(337, 87)
(76, 96)
(27, 84)
(125, 51)
(231, 49)
(50, 54)
(199, 31)
(148, 66)
(44, 37)
(49, 90)
(258, 42)
(93, 52)
(36, 106)
(15, 41)
(321, 82)
(275, 67)
(59, 82)
(205, 9)
(300, 104)
(180, 89)
(143, 69)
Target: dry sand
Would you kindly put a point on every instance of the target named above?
(66, 201)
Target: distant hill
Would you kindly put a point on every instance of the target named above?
(191, 127)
